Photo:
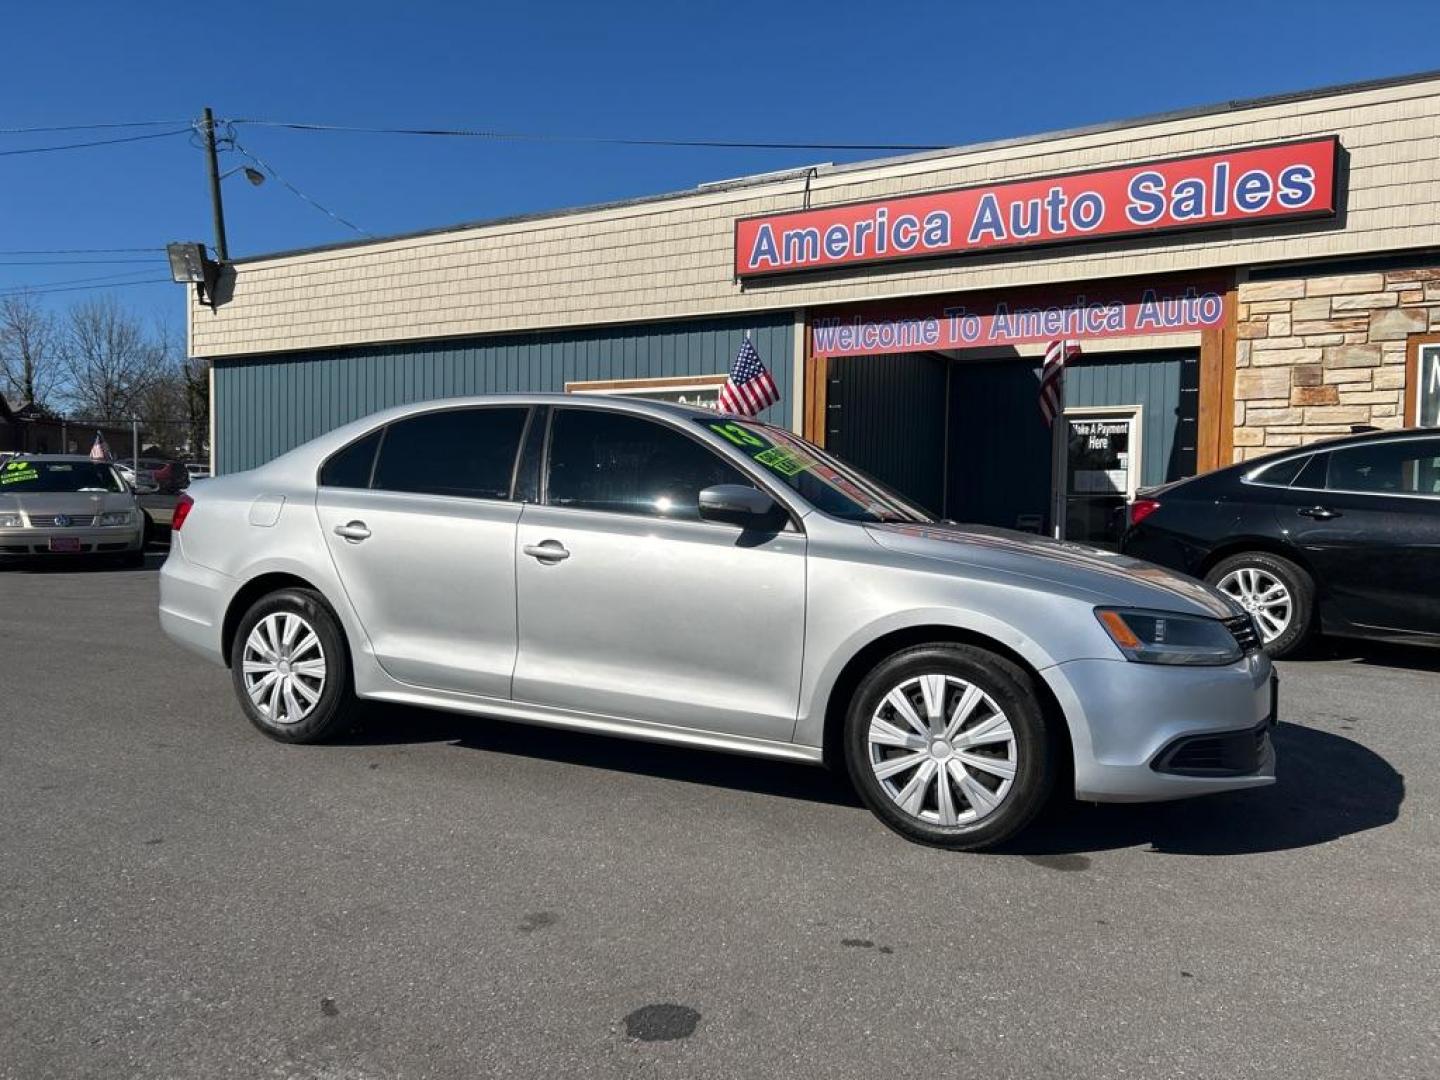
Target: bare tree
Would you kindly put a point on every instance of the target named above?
(29, 350)
(109, 362)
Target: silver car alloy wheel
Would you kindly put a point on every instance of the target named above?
(1263, 595)
(284, 667)
(942, 750)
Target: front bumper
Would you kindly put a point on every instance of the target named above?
(1152, 732)
(110, 539)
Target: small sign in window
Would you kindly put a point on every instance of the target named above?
(1427, 412)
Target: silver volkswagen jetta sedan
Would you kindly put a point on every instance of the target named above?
(666, 573)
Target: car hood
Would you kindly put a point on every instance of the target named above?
(1110, 577)
(75, 503)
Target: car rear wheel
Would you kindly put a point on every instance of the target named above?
(1279, 594)
(947, 745)
(291, 669)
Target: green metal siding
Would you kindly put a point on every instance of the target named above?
(266, 405)
(1166, 384)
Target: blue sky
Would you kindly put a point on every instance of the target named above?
(836, 71)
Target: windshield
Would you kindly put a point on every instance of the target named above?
(24, 476)
(824, 481)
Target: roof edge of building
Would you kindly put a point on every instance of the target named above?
(872, 163)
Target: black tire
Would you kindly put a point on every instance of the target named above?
(1300, 630)
(334, 711)
(1034, 752)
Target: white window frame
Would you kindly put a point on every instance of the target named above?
(1134, 414)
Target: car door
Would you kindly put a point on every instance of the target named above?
(421, 527)
(630, 605)
(1367, 518)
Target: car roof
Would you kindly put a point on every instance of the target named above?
(1337, 442)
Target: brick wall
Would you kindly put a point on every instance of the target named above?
(1315, 355)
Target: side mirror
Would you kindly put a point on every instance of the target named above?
(737, 504)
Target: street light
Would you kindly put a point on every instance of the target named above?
(255, 176)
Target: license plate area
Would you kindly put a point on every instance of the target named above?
(68, 544)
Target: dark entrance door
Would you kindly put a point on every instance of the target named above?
(886, 414)
(1002, 458)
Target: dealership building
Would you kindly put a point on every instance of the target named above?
(1238, 279)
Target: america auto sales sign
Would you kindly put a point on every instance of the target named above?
(1258, 184)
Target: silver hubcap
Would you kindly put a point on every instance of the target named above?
(284, 668)
(942, 750)
(1263, 595)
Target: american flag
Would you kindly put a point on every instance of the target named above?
(749, 389)
(99, 451)
(1052, 377)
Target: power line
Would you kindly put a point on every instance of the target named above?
(95, 142)
(294, 190)
(514, 136)
(72, 262)
(77, 251)
(91, 127)
(78, 288)
(42, 286)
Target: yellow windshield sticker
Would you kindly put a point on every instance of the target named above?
(785, 462)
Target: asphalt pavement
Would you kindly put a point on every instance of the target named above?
(443, 897)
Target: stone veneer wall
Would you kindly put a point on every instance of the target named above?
(1316, 355)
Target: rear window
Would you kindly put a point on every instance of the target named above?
(1279, 473)
(351, 466)
(25, 475)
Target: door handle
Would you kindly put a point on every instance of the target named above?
(1319, 513)
(548, 551)
(355, 531)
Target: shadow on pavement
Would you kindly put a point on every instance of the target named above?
(383, 725)
(81, 564)
(1328, 787)
(1377, 654)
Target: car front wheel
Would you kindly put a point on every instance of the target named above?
(947, 745)
(291, 669)
(1279, 594)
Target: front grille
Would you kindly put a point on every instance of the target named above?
(1242, 629)
(47, 521)
(1233, 753)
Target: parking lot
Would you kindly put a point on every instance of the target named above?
(440, 897)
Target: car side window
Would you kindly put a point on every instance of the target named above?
(630, 465)
(350, 466)
(463, 452)
(1409, 467)
(1280, 473)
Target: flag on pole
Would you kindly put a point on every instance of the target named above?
(1052, 378)
(99, 451)
(749, 390)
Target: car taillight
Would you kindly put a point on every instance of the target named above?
(1140, 509)
(182, 511)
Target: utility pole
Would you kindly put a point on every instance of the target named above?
(222, 250)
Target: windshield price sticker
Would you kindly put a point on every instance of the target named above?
(18, 472)
(785, 462)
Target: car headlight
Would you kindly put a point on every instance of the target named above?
(117, 517)
(1163, 637)
(11, 521)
